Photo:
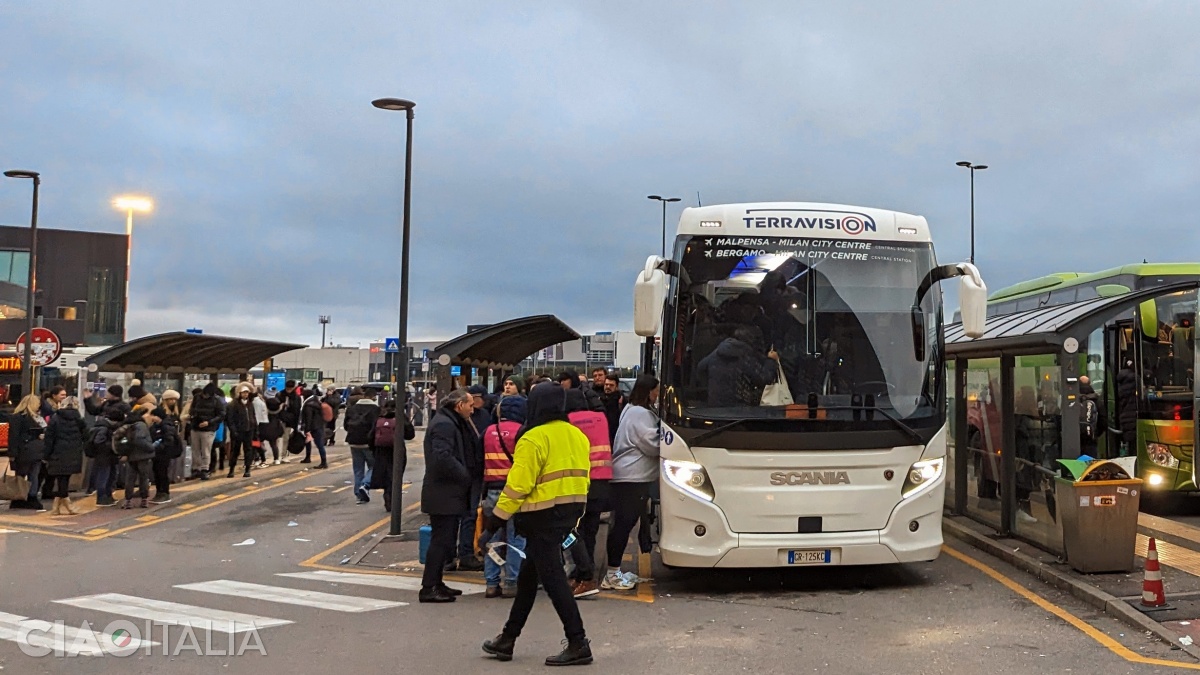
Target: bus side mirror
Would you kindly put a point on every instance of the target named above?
(972, 296)
(649, 292)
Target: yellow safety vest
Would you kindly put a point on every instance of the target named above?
(550, 467)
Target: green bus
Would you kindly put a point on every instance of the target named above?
(1151, 348)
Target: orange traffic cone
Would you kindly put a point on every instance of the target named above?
(1152, 585)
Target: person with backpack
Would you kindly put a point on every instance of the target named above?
(205, 415)
(168, 446)
(1092, 418)
(171, 406)
(133, 442)
(66, 436)
(332, 403)
(383, 447)
(360, 428)
(499, 441)
(242, 428)
(312, 425)
(100, 450)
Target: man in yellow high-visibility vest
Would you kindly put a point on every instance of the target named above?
(546, 493)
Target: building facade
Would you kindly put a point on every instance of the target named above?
(80, 285)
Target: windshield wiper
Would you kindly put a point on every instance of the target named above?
(912, 434)
(724, 427)
(908, 431)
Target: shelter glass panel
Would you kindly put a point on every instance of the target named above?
(984, 435)
(1037, 418)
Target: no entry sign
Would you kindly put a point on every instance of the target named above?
(46, 347)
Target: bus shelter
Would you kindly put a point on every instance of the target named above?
(1014, 408)
(474, 356)
(167, 360)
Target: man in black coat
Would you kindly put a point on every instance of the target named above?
(735, 373)
(446, 490)
(242, 428)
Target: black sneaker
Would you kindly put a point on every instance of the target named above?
(500, 647)
(452, 591)
(322, 465)
(161, 499)
(470, 564)
(18, 504)
(575, 654)
(435, 595)
(36, 505)
(306, 461)
(230, 474)
(363, 495)
(105, 501)
(246, 473)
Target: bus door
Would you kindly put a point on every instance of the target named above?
(1115, 353)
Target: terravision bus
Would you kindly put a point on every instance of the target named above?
(851, 472)
(1155, 342)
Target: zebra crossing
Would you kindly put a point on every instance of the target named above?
(40, 635)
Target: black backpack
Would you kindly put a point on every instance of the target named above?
(1089, 419)
(98, 441)
(168, 440)
(122, 440)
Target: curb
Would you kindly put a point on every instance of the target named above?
(1093, 596)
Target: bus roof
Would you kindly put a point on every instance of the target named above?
(803, 219)
(1072, 279)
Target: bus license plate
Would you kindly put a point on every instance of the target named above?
(822, 556)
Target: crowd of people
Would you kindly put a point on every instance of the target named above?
(544, 468)
(135, 439)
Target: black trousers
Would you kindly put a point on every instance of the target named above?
(442, 543)
(629, 503)
(236, 447)
(544, 564)
(584, 548)
(60, 485)
(162, 475)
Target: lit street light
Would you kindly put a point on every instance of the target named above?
(31, 283)
(665, 201)
(129, 204)
(399, 449)
(973, 168)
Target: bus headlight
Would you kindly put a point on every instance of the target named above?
(690, 477)
(1161, 455)
(921, 476)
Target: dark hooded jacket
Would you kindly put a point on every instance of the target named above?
(1087, 393)
(142, 447)
(65, 438)
(1127, 403)
(26, 442)
(209, 407)
(548, 403)
(544, 405)
(513, 408)
(735, 374)
(449, 441)
(240, 421)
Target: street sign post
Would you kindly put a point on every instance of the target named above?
(46, 347)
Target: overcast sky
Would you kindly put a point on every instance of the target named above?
(541, 128)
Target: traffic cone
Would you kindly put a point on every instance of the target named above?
(1152, 585)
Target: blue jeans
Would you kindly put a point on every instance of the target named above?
(103, 480)
(512, 563)
(364, 462)
(466, 524)
(318, 435)
(35, 484)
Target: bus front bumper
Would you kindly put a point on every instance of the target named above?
(719, 546)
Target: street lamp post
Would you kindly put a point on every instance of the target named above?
(399, 449)
(973, 168)
(324, 321)
(129, 204)
(665, 201)
(31, 282)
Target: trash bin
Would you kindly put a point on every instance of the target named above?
(1098, 508)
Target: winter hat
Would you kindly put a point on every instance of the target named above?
(116, 390)
(477, 390)
(170, 394)
(136, 391)
(160, 412)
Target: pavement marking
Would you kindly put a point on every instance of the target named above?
(147, 519)
(173, 613)
(185, 507)
(341, 489)
(9, 531)
(291, 596)
(1083, 626)
(396, 582)
(58, 636)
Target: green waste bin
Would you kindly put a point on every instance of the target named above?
(1098, 508)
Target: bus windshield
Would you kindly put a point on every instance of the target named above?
(834, 316)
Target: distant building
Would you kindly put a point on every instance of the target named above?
(80, 284)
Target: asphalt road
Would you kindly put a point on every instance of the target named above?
(942, 617)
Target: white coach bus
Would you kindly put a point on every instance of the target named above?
(802, 385)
